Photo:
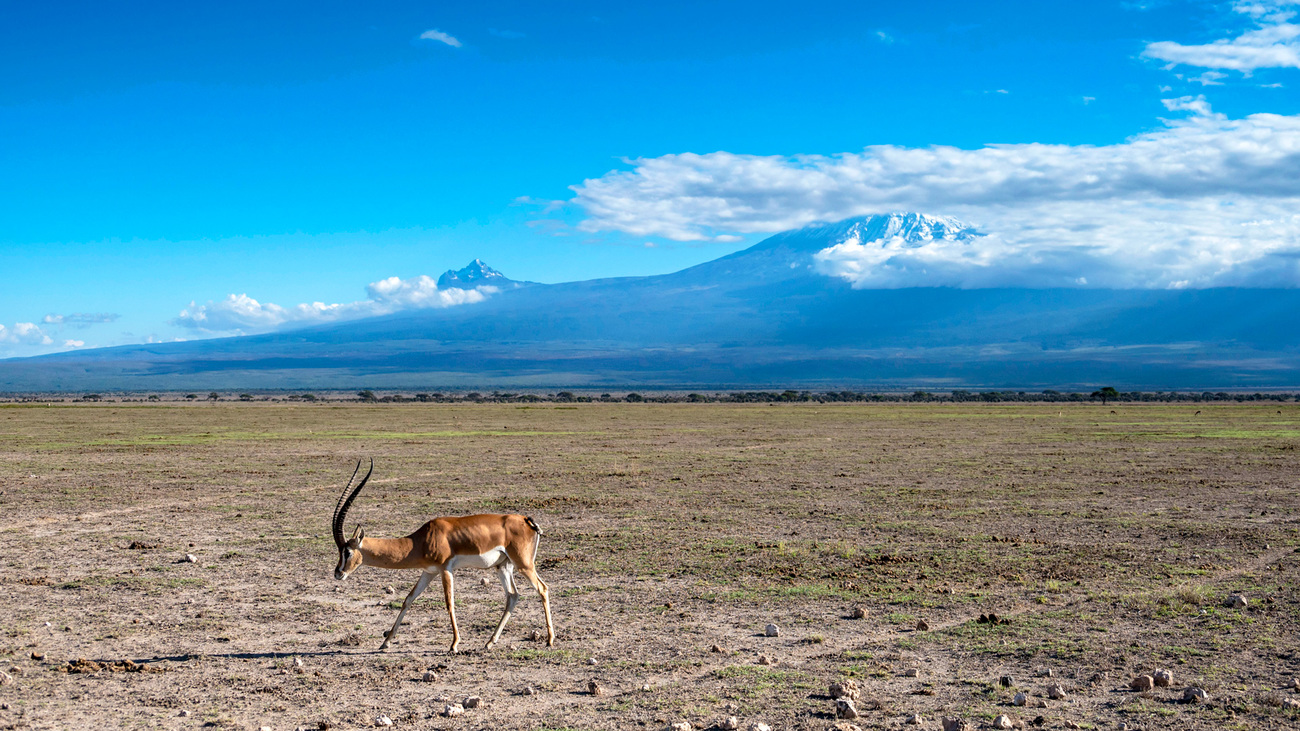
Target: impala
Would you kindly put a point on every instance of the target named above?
(439, 547)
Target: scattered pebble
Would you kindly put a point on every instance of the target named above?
(844, 689)
(389, 590)
(759, 726)
(1236, 601)
(922, 626)
(484, 581)
(1123, 726)
(1044, 672)
(530, 690)
(718, 648)
(6, 678)
(1142, 683)
(383, 721)
(451, 710)
(1295, 684)
(38, 656)
(772, 631)
(1163, 678)
(592, 661)
(1071, 724)
(766, 660)
(1007, 681)
(680, 726)
(297, 662)
(536, 635)
(594, 688)
(859, 612)
(646, 688)
(844, 708)
(16, 670)
(954, 724)
(1195, 695)
(473, 702)
(912, 673)
(1002, 721)
(264, 728)
(1290, 704)
(191, 558)
(430, 676)
(730, 723)
(1056, 693)
(915, 720)
(1020, 699)
(184, 714)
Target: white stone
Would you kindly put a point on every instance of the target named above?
(1163, 678)
(183, 714)
(915, 719)
(592, 661)
(297, 662)
(759, 726)
(844, 708)
(1195, 695)
(772, 631)
(680, 726)
(383, 721)
(1020, 699)
(1236, 601)
(473, 702)
(484, 581)
(451, 710)
(1056, 693)
(730, 723)
(912, 673)
(1002, 722)
(191, 558)
(844, 689)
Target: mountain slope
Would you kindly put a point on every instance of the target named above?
(761, 317)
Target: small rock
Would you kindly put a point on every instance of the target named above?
(6, 678)
(1056, 693)
(1122, 726)
(911, 673)
(594, 688)
(1044, 672)
(766, 660)
(592, 661)
(1163, 678)
(1195, 695)
(297, 662)
(1071, 724)
(430, 676)
(772, 631)
(1020, 699)
(759, 726)
(915, 720)
(473, 702)
(844, 708)
(680, 726)
(1236, 601)
(1039, 703)
(718, 648)
(922, 626)
(646, 688)
(1002, 721)
(1142, 683)
(530, 690)
(1099, 678)
(484, 581)
(38, 656)
(1295, 684)
(1007, 681)
(17, 670)
(859, 613)
(383, 721)
(1290, 704)
(263, 728)
(536, 635)
(730, 723)
(184, 714)
(844, 689)
(954, 724)
(191, 558)
(451, 710)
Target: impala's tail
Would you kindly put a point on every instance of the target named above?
(533, 524)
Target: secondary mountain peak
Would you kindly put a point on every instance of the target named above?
(476, 274)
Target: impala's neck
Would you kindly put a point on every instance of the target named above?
(389, 553)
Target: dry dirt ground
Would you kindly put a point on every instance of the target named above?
(1109, 537)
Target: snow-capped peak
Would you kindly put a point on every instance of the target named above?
(908, 229)
(476, 273)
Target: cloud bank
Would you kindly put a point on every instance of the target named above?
(242, 314)
(1273, 43)
(24, 333)
(1202, 201)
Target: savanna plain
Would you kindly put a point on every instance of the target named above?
(1107, 541)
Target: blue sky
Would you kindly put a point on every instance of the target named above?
(233, 161)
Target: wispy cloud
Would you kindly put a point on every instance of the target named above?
(434, 34)
(1204, 200)
(241, 313)
(1273, 43)
(80, 319)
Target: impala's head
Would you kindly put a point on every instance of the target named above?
(349, 550)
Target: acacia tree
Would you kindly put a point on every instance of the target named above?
(1106, 393)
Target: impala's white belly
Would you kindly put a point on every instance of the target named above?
(490, 559)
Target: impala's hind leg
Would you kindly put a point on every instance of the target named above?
(449, 592)
(531, 574)
(506, 573)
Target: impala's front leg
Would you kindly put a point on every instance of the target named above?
(410, 599)
(449, 592)
(506, 573)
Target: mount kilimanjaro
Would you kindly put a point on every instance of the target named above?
(768, 316)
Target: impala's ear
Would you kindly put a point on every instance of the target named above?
(356, 535)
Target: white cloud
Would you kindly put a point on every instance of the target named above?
(1204, 200)
(24, 333)
(81, 319)
(1274, 43)
(436, 35)
(241, 313)
(73, 343)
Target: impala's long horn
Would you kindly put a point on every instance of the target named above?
(345, 501)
